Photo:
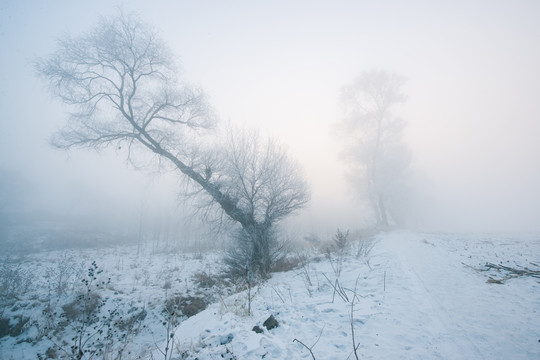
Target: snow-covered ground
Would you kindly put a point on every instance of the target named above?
(415, 296)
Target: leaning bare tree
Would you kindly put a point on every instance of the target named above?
(374, 143)
(120, 79)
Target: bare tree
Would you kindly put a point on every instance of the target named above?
(267, 185)
(374, 142)
(120, 79)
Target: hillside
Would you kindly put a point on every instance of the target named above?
(413, 296)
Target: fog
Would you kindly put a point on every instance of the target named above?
(472, 110)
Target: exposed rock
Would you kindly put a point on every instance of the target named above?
(271, 323)
(257, 329)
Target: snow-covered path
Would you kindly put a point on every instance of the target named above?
(455, 313)
(417, 300)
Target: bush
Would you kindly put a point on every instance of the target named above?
(14, 281)
(6, 327)
(254, 254)
(63, 275)
(204, 280)
(20, 326)
(130, 322)
(83, 308)
(338, 247)
(364, 244)
(341, 240)
(288, 263)
(82, 320)
(186, 305)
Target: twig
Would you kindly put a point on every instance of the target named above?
(355, 346)
(471, 267)
(278, 294)
(337, 289)
(312, 346)
(304, 345)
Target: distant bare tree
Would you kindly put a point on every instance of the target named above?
(374, 142)
(120, 79)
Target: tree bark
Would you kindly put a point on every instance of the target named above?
(260, 237)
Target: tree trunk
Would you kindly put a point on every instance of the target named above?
(382, 211)
(260, 238)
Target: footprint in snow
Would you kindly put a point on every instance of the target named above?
(328, 310)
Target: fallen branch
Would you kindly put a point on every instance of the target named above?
(524, 272)
(512, 272)
(472, 267)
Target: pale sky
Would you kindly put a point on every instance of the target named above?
(473, 108)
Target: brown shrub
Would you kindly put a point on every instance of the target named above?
(185, 305)
(83, 307)
(204, 280)
(288, 263)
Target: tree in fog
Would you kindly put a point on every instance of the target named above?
(267, 187)
(120, 81)
(373, 141)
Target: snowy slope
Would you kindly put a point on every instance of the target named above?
(418, 296)
(431, 307)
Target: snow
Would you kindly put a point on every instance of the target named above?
(431, 307)
(418, 297)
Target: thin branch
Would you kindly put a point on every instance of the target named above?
(310, 349)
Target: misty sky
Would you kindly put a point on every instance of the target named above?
(473, 108)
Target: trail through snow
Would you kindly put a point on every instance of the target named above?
(462, 317)
(419, 281)
(417, 301)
